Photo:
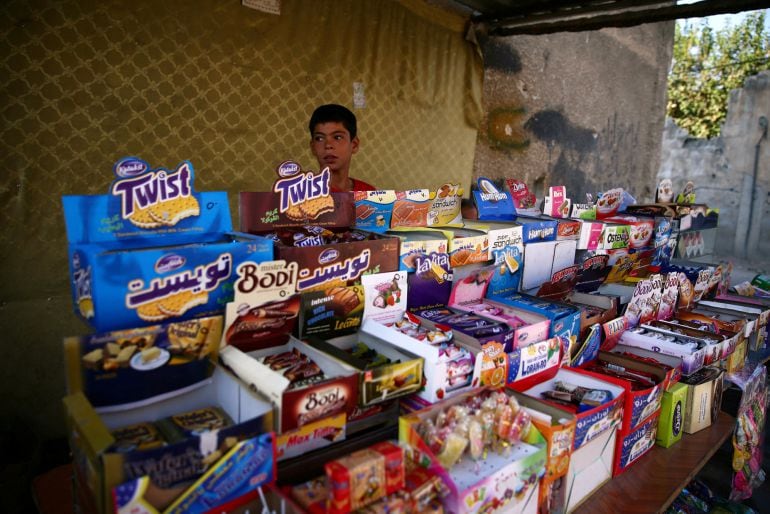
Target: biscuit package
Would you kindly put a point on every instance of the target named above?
(127, 366)
(153, 250)
(311, 226)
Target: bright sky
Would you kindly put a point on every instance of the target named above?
(721, 21)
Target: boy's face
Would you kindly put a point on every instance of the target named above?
(331, 145)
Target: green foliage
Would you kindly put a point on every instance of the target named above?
(707, 64)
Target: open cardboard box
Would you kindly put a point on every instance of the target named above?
(505, 482)
(469, 294)
(99, 468)
(692, 360)
(727, 341)
(590, 423)
(590, 467)
(299, 406)
(639, 404)
(602, 308)
(376, 384)
(558, 428)
(757, 318)
(669, 362)
(543, 259)
(634, 443)
(438, 365)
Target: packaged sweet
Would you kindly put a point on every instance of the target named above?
(193, 423)
(492, 421)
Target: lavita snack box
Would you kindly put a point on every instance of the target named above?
(153, 250)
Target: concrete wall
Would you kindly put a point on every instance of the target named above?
(583, 110)
(723, 170)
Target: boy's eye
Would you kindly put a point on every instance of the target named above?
(338, 137)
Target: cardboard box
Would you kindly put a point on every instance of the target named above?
(130, 366)
(537, 230)
(633, 444)
(600, 308)
(418, 244)
(590, 467)
(439, 365)
(672, 411)
(328, 265)
(312, 436)
(531, 363)
(756, 315)
(590, 237)
(376, 384)
(528, 325)
(99, 468)
(467, 246)
(591, 423)
(672, 364)
(639, 404)
(234, 478)
(503, 482)
(564, 318)
(737, 359)
(718, 346)
(704, 398)
(298, 406)
(139, 259)
(542, 260)
(558, 429)
(692, 358)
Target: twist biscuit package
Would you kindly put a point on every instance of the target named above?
(153, 250)
(128, 366)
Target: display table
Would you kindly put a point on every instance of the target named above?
(651, 484)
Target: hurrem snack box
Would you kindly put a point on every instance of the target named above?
(153, 250)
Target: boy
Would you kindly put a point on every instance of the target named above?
(333, 141)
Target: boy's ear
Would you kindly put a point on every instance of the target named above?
(354, 143)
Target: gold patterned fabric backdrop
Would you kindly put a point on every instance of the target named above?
(227, 87)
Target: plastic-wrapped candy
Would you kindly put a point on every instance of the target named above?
(476, 439)
(452, 451)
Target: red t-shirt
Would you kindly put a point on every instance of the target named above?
(358, 185)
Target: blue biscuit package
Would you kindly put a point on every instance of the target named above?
(153, 250)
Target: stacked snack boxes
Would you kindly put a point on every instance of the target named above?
(312, 226)
(153, 250)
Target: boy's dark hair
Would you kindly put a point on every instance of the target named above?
(334, 112)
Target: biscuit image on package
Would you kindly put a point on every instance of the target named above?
(295, 212)
(93, 359)
(173, 211)
(178, 304)
(151, 312)
(86, 307)
(143, 218)
(317, 206)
